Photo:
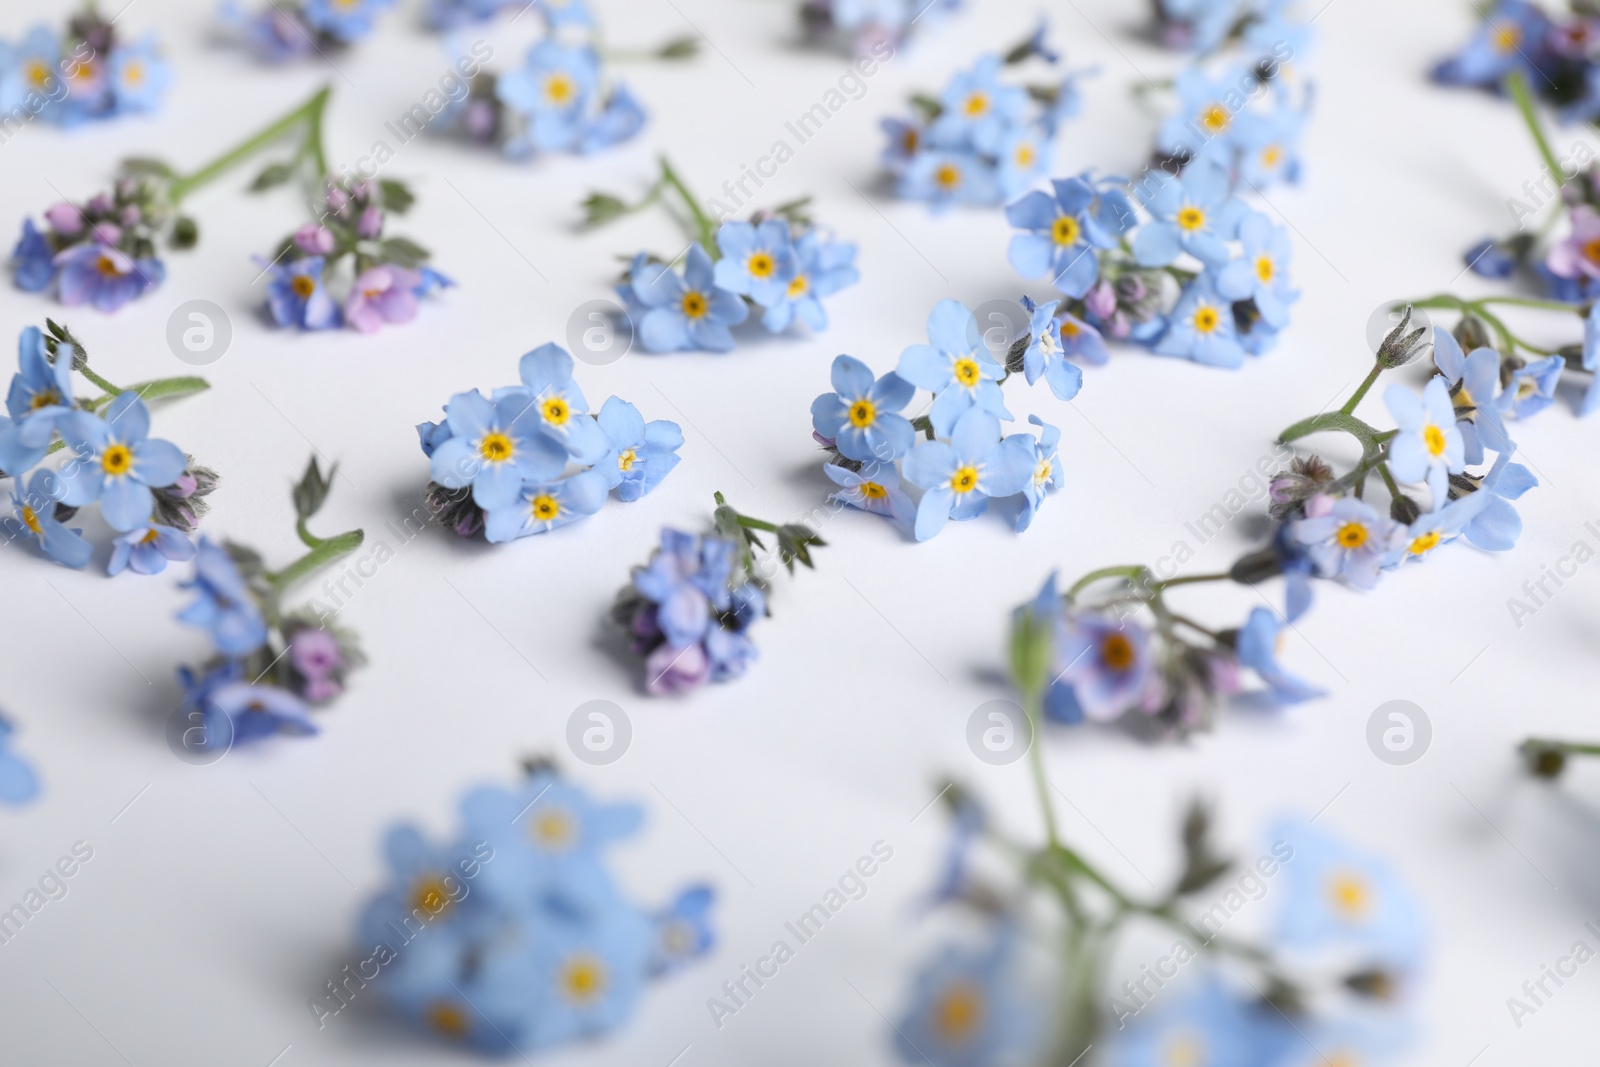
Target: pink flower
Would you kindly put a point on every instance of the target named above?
(370, 225)
(65, 219)
(315, 653)
(672, 670)
(1579, 254)
(382, 294)
(313, 240)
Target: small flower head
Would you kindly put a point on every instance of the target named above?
(862, 414)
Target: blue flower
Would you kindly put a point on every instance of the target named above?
(495, 446)
(573, 13)
(146, 549)
(683, 930)
(1428, 446)
(1434, 528)
(1079, 340)
(117, 462)
(955, 366)
(33, 261)
(226, 608)
(346, 20)
(543, 506)
(39, 399)
(1268, 146)
(959, 476)
(1472, 381)
(1063, 235)
(1046, 356)
(18, 783)
(862, 414)
(138, 76)
(586, 978)
(1023, 157)
(233, 711)
(821, 269)
(1108, 664)
(875, 488)
(757, 261)
(34, 508)
(1046, 476)
(1348, 542)
(93, 273)
(949, 176)
(1258, 649)
(619, 120)
(1532, 388)
(549, 93)
(1341, 898)
(1591, 360)
(1202, 327)
(1496, 527)
(1195, 213)
(687, 580)
(296, 296)
(1513, 31)
(977, 109)
(640, 453)
(1487, 259)
(966, 1009)
(1207, 1025)
(905, 140)
(1262, 273)
(688, 311)
(1203, 126)
(558, 403)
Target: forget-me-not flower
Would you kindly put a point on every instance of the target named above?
(540, 507)
(688, 311)
(33, 505)
(862, 414)
(1196, 213)
(955, 366)
(1428, 446)
(757, 261)
(958, 477)
(117, 462)
(640, 453)
(495, 446)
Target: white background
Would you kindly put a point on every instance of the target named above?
(225, 895)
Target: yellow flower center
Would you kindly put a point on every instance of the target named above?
(1526, 388)
(1191, 219)
(495, 447)
(431, 894)
(545, 507)
(1206, 319)
(116, 459)
(873, 491)
(909, 139)
(555, 410)
(948, 176)
(967, 372)
(559, 89)
(694, 305)
(1507, 36)
(798, 287)
(1433, 437)
(1425, 542)
(626, 459)
(1184, 1051)
(1069, 328)
(447, 1018)
(1215, 118)
(1266, 270)
(1271, 156)
(976, 104)
(964, 480)
(1065, 230)
(959, 1013)
(1116, 652)
(552, 829)
(1463, 400)
(583, 978)
(1043, 471)
(107, 266)
(760, 265)
(1349, 895)
(1351, 535)
(44, 398)
(39, 75)
(1025, 155)
(30, 519)
(133, 73)
(303, 286)
(863, 413)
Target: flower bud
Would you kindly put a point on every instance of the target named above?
(370, 225)
(1399, 347)
(65, 219)
(313, 240)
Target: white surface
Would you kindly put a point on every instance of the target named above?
(224, 896)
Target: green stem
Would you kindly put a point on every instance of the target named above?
(1129, 571)
(111, 390)
(310, 111)
(1361, 390)
(703, 224)
(1517, 86)
(1332, 420)
(323, 551)
(1189, 579)
(1570, 748)
(1041, 783)
(1529, 302)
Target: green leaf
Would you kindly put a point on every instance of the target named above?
(795, 542)
(396, 195)
(185, 233)
(404, 251)
(679, 48)
(600, 208)
(169, 388)
(274, 174)
(147, 165)
(312, 492)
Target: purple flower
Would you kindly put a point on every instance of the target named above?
(672, 670)
(33, 263)
(315, 653)
(313, 240)
(146, 549)
(385, 293)
(1108, 665)
(296, 296)
(98, 274)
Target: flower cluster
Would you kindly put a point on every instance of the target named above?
(86, 74)
(345, 251)
(866, 26)
(1556, 54)
(778, 265)
(103, 252)
(531, 457)
(271, 666)
(983, 140)
(300, 29)
(530, 944)
(1210, 25)
(18, 783)
(688, 611)
(1333, 972)
(961, 462)
(557, 101)
(150, 493)
(1198, 274)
